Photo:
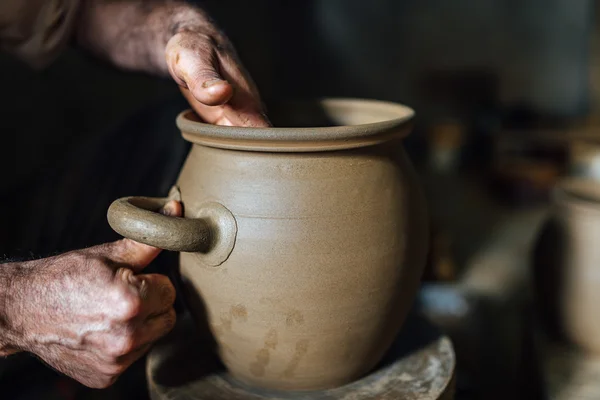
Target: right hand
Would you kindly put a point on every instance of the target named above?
(91, 313)
(204, 63)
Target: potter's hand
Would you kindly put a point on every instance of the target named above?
(88, 313)
(205, 65)
(176, 38)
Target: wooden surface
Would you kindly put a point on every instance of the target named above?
(420, 365)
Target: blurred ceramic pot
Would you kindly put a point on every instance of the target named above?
(566, 264)
(584, 158)
(446, 140)
(301, 248)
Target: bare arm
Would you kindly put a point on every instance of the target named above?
(177, 39)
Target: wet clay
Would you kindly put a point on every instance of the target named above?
(314, 257)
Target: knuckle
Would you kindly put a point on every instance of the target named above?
(122, 345)
(129, 305)
(124, 275)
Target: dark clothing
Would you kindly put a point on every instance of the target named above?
(64, 207)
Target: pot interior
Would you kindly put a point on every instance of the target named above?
(329, 113)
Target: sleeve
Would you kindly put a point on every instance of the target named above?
(36, 31)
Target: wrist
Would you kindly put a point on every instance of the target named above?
(13, 282)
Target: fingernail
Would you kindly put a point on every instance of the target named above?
(212, 82)
(167, 209)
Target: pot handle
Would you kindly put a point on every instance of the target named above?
(211, 233)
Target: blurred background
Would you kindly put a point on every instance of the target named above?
(507, 100)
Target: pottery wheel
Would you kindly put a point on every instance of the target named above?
(420, 365)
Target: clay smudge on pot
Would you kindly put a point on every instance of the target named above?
(271, 339)
(301, 350)
(257, 368)
(239, 312)
(294, 317)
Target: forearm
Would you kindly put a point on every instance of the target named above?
(133, 34)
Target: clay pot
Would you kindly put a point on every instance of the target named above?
(584, 158)
(305, 245)
(446, 140)
(566, 264)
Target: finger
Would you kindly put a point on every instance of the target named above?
(128, 359)
(246, 106)
(157, 294)
(137, 255)
(172, 208)
(194, 65)
(227, 115)
(122, 339)
(211, 115)
(156, 327)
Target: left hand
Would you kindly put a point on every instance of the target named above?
(205, 65)
(89, 313)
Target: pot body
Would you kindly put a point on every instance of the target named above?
(567, 264)
(328, 256)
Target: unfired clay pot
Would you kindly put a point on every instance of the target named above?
(566, 264)
(304, 245)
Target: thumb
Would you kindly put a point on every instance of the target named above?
(197, 69)
(138, 256)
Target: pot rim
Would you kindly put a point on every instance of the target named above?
(388, 120)
(580, 193)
